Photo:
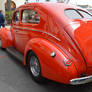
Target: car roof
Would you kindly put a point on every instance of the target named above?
(56, 9)
(49, 5)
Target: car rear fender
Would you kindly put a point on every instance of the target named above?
(6, 37)
(52, 67)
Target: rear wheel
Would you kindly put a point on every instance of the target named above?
(34, 67)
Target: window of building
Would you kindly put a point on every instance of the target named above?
(30, 16)
(73, 14)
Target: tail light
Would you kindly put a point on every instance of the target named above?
(67, 62)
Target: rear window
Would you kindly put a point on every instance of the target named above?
(85, 14)
(73, 14)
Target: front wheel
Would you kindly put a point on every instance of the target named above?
(34, 67)
(1, 43)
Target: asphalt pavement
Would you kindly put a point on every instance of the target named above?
(14, 77)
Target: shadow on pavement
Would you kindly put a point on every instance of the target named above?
(14, 76)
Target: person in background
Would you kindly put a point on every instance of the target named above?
(2, 19)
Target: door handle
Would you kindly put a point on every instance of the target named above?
(16, 30)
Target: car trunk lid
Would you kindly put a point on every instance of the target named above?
(81, 32)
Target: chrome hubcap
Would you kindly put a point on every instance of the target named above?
(34, 66)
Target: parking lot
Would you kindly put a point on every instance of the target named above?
(14, 77)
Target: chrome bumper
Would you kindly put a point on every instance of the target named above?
(82, 80)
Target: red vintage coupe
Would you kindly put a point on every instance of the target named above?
(54, 40)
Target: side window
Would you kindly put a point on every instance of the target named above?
(30, 16)
(16, 17)
(73, 14)
(85, 14)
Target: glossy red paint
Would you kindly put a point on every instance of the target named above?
(69, 38)
(83, 36)
(6, 38)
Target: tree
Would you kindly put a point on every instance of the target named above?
(60, 0)
(47, 0)
(37, 0)
(8, 5)
(65, 1)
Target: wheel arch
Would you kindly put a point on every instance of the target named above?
(43, 48)
(27, 56)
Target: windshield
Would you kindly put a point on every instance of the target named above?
(77, 14)
(73, 14)
(85, 14)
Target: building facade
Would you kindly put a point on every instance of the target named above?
(15, 3)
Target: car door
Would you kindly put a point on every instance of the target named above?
(29, 20)
(15, 27)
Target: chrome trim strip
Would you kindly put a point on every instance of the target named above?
(81, 80)
(37, 31)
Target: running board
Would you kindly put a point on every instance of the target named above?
(13, 51)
